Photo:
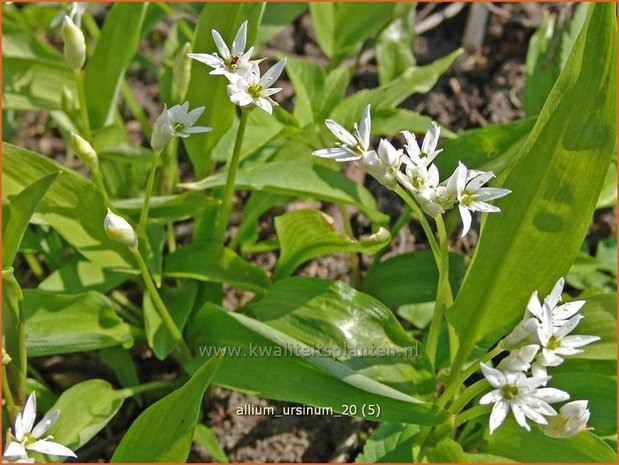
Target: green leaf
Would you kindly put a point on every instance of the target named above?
(447, 451)
(85, 409)
(384, 278)
(486, 458)
(13, 330)
(608, 196)
(16, 216)
(516, 443)
(394, 47)
(388, 121)
(120, 360)
(268, 363)
(72, 205)
(115, 49)
(391, 443)
(276, 17)
(415, 80)
(281, 177)
(308, 234)
(555, 185)
(168, 208)
(207, 440)
(210, 91)
(179, 302)
(79, 276)
(600, 319)
(308, 80)
(212, 262)
(61, 324)
(164, 431)
(351, 327)
(33, 73)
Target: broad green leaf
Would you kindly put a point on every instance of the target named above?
(514, 442)
(391, 443)
(115, 49)
(120, 360)
(168, 208)
(208, 90)
(348, 326)
(268, 363)
(85, 409)
(600, 391)
(33, 73)
(410, 278)
(491, 148)
(308, 80)
(164, 431)
(16, 216)
(337, 35)
(79, 276)
(282, 177)
(388, 121)
(61, 324)
(447, 451)
(608, 196)
(394, 47)
(600, 319)
(72, 205)
(276, 17)
(555, 185)
(212, 262)
(206, 439)
(486, 458)
(416, 79)
(307, 234)
(179, 302)
(13, 330)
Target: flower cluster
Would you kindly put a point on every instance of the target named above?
(420, 176)
(246, 86)
(28, 437)
(539, 341)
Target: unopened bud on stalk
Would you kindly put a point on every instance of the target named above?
(84, 150)
(74, 44)
(181, 72)
(119, 230)
(6, 358)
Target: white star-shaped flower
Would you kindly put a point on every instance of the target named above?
(351, 147)
(523, 396)
(176, 121)
(465, 187)
(28, 437)
(249, 88)
(424, 155)
(571, 420)
(229, 61)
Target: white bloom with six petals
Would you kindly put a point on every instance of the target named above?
(176, 121)
(249, 88)
(28, 436)
(571, 420)
(522, 395)
(229, 61)
(351, 147)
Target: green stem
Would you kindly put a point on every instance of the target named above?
(8, 396)
(233, 166)
(81, 95)
(121, 300)
(422, 220)
(184, 352)
(34, 265)
(471, 413)
(98, 178)
(149, 190)
(152, 386)
(468, 395)
(441, 292)
(354, 258)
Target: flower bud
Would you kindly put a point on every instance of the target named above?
(84, 150)
(161, 131)
(181, 72)
(74, 44)
(6, 358)
(119, 230)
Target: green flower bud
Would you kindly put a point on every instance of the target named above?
(119, 230)
(84, 150)
(74, 44)
(6, 358)
(181, 73)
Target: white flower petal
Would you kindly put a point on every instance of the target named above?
(208, 59)
(567, 310)
(342, 134)
(238, 44)
(552, 395)
(534, 306)
(430, 140)
(52, 448)
(520, 416)
(192, 116)
(495, 377)
(223, 49)
(568, 326)
(491, 397)
(264, 104)
(273, 74)
(555, 295)
(365, 127)
(197, 129)
(29, 414)
(465, 214)
(45, 424)
(499, 412)
(578, 341)
(15, 449)
(486, 194)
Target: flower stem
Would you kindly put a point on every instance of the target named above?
(469, 394)
(8, 396)
(98, 178)
(149, 190)
(152, 386)
(443, 292)
(354, 258)
(81, 95)
(233, 166)
(471, 413)
(184, 352)
(422, 220)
